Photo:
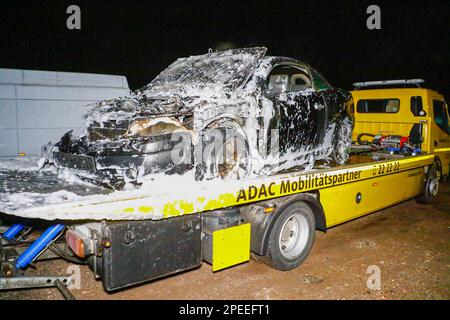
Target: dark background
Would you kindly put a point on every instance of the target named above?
(140, 38)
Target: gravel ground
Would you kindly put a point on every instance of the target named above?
(409, 243)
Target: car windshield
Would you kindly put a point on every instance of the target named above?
(217, 71)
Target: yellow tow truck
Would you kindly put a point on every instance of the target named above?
(401, 138)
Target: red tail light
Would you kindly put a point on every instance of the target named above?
(76, 244)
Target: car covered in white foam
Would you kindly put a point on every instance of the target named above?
(227, 114)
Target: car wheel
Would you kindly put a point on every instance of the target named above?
(431, 187)
(291, 238)
(342, 141)
(229, 159)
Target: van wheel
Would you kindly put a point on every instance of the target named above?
(431, 189)
(291, 237)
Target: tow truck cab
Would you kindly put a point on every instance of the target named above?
(404, 108)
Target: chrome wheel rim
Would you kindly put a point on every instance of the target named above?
(293, 236)
(433, 187)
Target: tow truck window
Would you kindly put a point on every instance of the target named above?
(378, 106)
(286, 78)
(440, 115)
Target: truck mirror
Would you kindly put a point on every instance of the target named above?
(417, 106)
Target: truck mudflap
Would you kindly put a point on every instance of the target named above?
(168, 196)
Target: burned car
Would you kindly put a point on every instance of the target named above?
(262, 114)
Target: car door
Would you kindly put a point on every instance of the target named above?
(298, 109)
(333, 103)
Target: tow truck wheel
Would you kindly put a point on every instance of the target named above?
(431, 189)
(291, 237)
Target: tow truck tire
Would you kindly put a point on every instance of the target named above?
(291, 238)
(431, 188)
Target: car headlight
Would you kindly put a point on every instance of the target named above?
(152, 127)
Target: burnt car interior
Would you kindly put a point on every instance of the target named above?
(287, 78)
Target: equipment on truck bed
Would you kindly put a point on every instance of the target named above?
(393, 144)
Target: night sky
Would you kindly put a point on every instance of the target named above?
(140, 38)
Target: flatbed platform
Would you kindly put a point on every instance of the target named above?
(45, 195)
(262, 216)
(22, 185)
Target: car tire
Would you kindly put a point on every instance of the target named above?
(291, 238)
(431, 187)
(342, 141)
(218, 164)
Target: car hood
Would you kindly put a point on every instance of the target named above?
(111, 118)
(212, 78)
(134, 106)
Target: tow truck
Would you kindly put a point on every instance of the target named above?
(131, 237)
(403, 110)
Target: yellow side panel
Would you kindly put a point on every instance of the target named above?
(339, 203)
(231, 246)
